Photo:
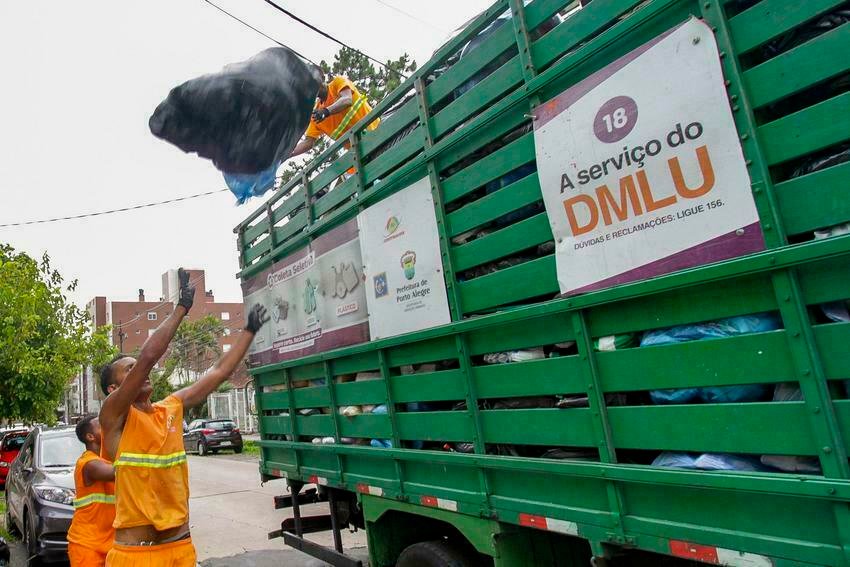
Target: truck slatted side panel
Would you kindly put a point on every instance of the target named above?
(788, 85)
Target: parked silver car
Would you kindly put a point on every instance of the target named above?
(40, 492)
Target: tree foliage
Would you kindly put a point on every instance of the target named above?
(374, 83)
(194, 347)
(160, 382)
(45, 340)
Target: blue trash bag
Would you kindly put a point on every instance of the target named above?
(708, 462)
(676, 396)
(381, 443)
(721, 328)
(411, 406)
(247, 185)
(522, 213)
(732, 394)
(675, 460)
(418, 406)
(728, 462)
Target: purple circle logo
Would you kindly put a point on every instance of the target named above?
(615, 119)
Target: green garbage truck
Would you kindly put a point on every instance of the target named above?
(511, 330)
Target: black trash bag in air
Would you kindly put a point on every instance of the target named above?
(245, 118)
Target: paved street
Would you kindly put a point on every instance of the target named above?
(231, 515)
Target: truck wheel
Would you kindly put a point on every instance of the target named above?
(437, 553)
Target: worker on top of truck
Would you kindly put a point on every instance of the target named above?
(339, 106)
(145, 441)
(91, 534)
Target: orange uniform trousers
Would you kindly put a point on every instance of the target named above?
(175, 554)
(82, 556)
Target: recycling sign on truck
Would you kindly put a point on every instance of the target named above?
(404, 269)
(315, 297)
(641, 169)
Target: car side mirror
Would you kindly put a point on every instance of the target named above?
(27, 470)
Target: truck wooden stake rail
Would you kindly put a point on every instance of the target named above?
(583, 297)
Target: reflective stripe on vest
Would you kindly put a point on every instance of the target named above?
(151, 461)
(346, 120)
(94, 498)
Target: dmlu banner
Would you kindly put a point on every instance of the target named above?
(641, 169)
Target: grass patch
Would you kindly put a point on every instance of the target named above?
(4, 533)
(251, 448)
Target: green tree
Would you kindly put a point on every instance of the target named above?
(194, 347)
(372, 82)
(44, 338)
(160, 381)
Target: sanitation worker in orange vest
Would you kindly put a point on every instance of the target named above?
(339, 106)
(91, 534)
(145, 441)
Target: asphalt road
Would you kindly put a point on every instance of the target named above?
(231, 515)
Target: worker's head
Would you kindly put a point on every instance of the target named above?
(88, 432)
(113, 374)
(323, 92)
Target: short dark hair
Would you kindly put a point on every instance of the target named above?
(106, 372)
(84, 426)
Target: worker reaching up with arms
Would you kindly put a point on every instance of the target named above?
(91, 534)
(339, 106)
(145, 441)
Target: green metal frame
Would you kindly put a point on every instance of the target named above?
(794, 519)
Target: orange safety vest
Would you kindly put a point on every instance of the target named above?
(151, 471)
(94, 509)
(336, 125)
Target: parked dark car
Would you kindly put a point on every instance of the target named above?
(40, 492)
(212, 435)
(11, 442)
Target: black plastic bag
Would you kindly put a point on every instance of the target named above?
(802, 34)
(245, 118)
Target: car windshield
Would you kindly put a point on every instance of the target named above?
(221, 425)
(13, 443)
(60, 450)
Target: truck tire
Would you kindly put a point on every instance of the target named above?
(438, 553)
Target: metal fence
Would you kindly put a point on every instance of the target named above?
(238, 405)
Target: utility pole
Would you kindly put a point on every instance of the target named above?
(121, 336)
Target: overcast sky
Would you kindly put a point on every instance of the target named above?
(80, 80)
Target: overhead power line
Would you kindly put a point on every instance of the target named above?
(332, 38)
(411, 16)
(262, 33)
(113, 211)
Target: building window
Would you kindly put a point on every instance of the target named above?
(151, 316)
(225, 316)
(225, 348)
(226, 332)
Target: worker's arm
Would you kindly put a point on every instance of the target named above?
(343, 103)
(96, 470)
(196, 393)
(117, 404)
(303, 146)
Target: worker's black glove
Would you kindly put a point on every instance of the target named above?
(187, 292)
(258, 317)
(320, 114)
